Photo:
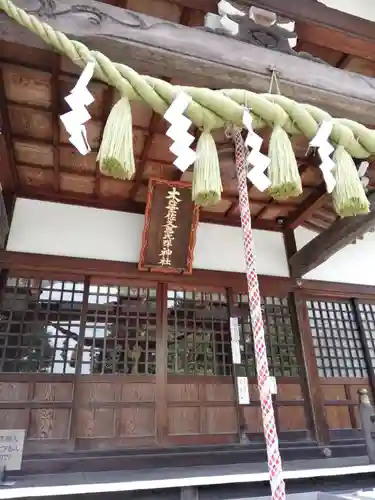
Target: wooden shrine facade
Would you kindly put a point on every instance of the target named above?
(95, 355)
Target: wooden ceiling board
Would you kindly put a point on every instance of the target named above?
(72, 160)
(33, 153)
(27, 86)
(36, 177)
(115, 188)
(30, 123)
(222, 207)
(154, 169)
(73, 183)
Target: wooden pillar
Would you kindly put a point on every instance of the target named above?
(5, 222)
(313, 393)
(78, 365)
(8, 202)
(161, 389)
(369, 366)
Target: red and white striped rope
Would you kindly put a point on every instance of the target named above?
(268, 417)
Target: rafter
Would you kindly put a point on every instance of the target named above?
(308, 207)
(340, 234)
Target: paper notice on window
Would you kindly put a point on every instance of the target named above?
(243, 391)
(234, 330)
(236, 353)
(273, 385)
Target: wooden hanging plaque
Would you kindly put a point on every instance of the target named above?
(171, 221)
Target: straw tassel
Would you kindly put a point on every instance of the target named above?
(116, 157)
(283, 170)
(349, 196)
(207, 186)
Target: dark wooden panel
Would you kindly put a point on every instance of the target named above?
(115, 411)
(42, 408)
(341, 402)
(203, 408)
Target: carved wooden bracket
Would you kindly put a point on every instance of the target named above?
(273, 37)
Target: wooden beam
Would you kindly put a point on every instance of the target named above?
(339, 235)
(198, 57)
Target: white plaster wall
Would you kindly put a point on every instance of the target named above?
(75, 231)
(361, 8)
(353, 264)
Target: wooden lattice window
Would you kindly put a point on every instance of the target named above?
(39, 325)
(280, 338)
(367, 316)
(338, 348)
(120, 332)
(198, 333)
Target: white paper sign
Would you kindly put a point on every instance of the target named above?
(236, 353)
(234, 330)
(273, 385)
(243, 391)
(11, 449)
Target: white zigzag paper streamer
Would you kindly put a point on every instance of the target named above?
(325, 149)
(74, 121)
(225, 9)
(258, 160)
(178, 132)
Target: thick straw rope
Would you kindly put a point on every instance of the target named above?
(210, 109)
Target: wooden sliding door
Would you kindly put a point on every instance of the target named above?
(115, 383)
(340, 358)
(78, 362)
(40, 319)
(201, 395)
(284, 362)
